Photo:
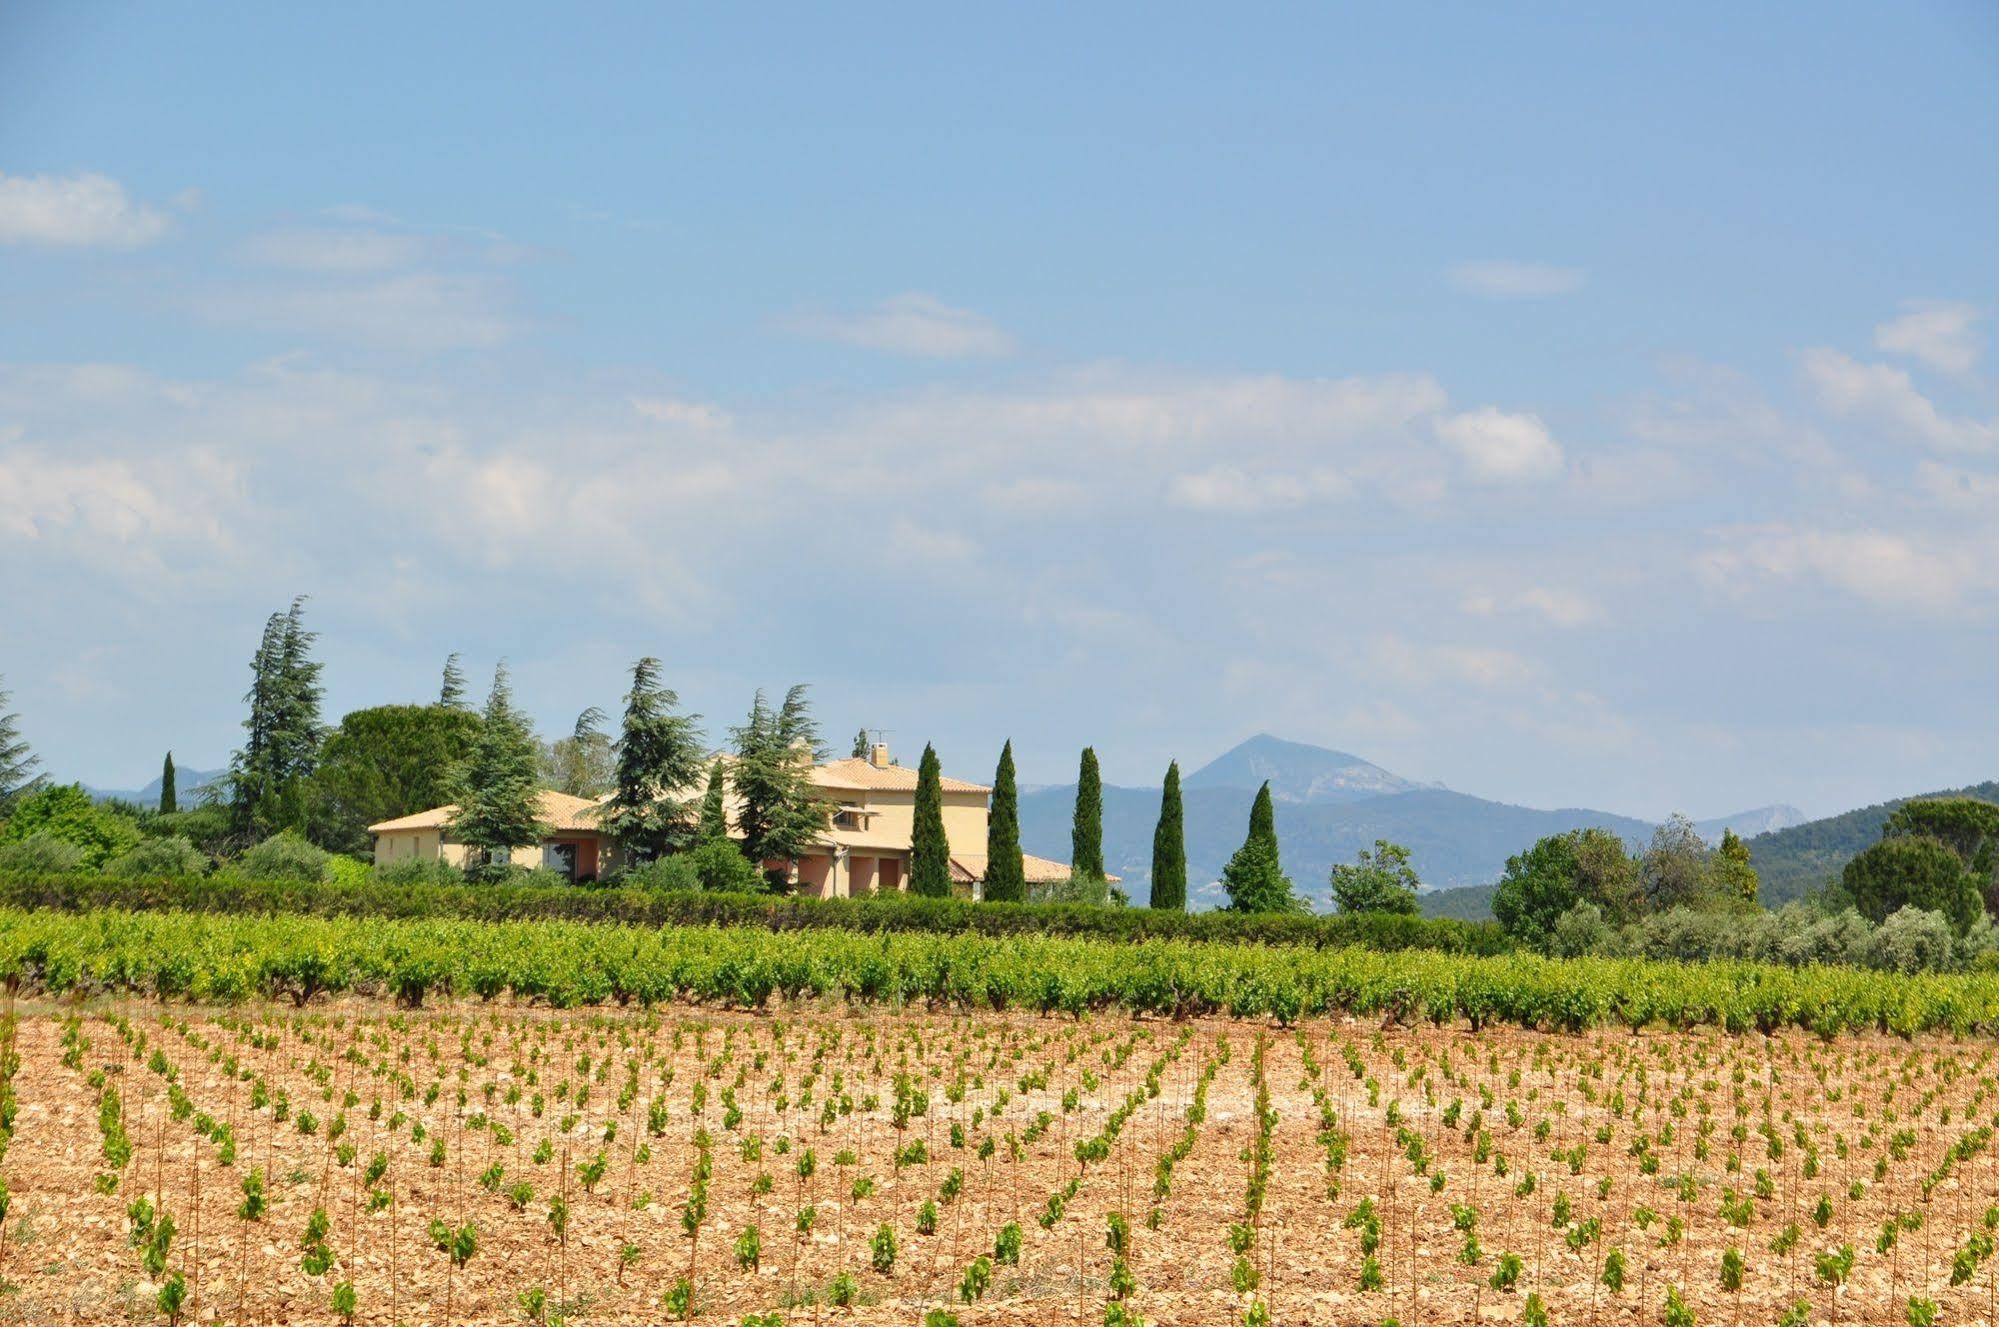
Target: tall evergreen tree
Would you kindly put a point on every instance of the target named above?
(582, 764)
(386, 761)
(283, 733)
(499, 805)
(651, 810)
(18, 760)
(1254, 878)
(451, 694)
(1086, 839)
(780, 811)
(1169, 847)
(861, 744)
(169, 795)
(714, 809)
(929, 849)
(1006, 878)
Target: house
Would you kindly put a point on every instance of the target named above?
(864, 849)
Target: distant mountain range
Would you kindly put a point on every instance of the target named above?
(187, 783)
(1331, 805)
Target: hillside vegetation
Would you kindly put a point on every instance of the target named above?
(1793, 862)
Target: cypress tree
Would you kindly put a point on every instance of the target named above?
(1086, 839)
(17, 759)
(451, 694)
(929, 850)
(499, 806)
(1006, 879)
(1254, 878)
(714, 813)
(169, 797)
(1169, 847)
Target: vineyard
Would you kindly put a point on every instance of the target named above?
(354, 1163)
(224, 959)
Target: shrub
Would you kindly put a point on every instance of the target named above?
(419, 871)
(344, 870)
(41, 853)
(66, 812)
(167, 857)
(284, 856)
(671, 874)
(1581, 930)
(1913, 940)
(721, 868)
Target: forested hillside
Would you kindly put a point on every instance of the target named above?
(1793, 862)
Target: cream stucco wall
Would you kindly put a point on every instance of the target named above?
(895, 816)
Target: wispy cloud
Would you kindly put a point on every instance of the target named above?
(337, 251)
(913, 324)
(1509, 279)
(1228, 488)
(75, 212)
(1498, 447)
(1945, 336)
(1886, 397)
(416, 311)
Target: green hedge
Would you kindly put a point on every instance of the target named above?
(894, 913)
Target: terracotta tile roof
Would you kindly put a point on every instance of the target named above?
(966, 867)
(856, 772)
(565, 813)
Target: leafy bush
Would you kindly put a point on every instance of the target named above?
(1088, 891)
(419, 871)
(1582, 930)
(284, 856)
(167, 857)
(41, 853)
(671, 874)
(344, 870)
(66, 812)
(1913, 940)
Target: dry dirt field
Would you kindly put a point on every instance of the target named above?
(609, 1165)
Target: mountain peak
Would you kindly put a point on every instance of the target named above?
(1297, 772)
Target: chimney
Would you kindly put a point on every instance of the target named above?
(878, 755)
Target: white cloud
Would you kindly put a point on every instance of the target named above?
(1487, 668)
(1885, 397)
(929, 545)
(1226, 488)
(1554, 605)
(1944, 336)
(1035, 496)
(336, 251)
(108, 508)
(1959, 490)
(1498, 446)
(912, 324)
(75, 212)
(1504, 279)
(417, 311)
(694, 415)
(1882, 567)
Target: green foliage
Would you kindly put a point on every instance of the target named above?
(1676, 870)
(384, 762)
(1006, 879)
(268, 776)
(1254, 878)
(1559, 872)
(284, 856)
(1078, 891)
(714, 822)
(930, 850)
(1169, 846)
(451, 691)
(1913, 871)
(1086, 834)
(781, 813)
(18, 760)
(659, 759)
(66, 812)
(1735, 877)
(582, 764)
(499, 805)
(40, 854)
(169, 793)
(164, 858)
(1380, 880)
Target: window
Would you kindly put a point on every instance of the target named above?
(560, 858)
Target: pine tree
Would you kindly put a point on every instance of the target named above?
(1169, 847)
(929, 849)
(1006, 878)
(861, 744)
(1254, 878)
(1734, 875)
(650, 811)
(169, 795)
(1086, 839)
(499, 806)
(780, 811)
(451, 694)
(714, 811)
(583, 763)
(268, 776)
(17, 759)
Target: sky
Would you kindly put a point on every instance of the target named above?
(1577, 405)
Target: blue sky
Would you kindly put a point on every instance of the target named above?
(1575, 405)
